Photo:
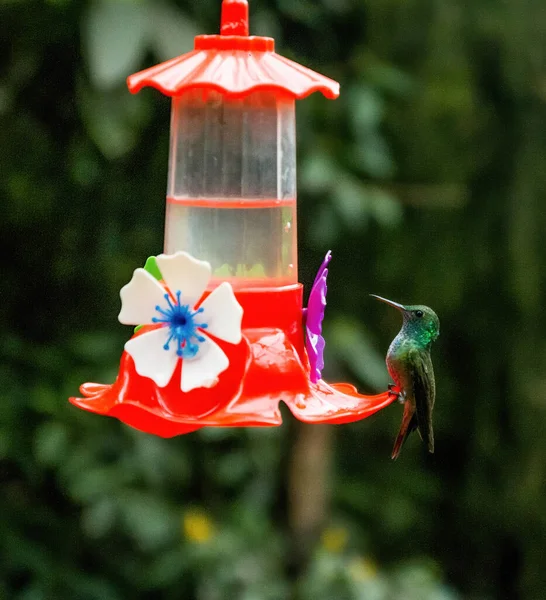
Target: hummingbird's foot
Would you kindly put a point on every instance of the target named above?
(395, 391)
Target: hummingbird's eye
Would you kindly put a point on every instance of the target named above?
(419, 313)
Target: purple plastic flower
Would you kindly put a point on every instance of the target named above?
(313, 315)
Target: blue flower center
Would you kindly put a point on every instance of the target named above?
(184, 329)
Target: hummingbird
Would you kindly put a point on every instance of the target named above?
(410, 366)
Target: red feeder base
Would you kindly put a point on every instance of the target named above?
(268, 366)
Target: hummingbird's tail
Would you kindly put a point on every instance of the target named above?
(409, 423)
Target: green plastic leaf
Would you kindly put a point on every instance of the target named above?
(152, 268)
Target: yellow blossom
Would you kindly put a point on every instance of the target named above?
(197, 526)
(362, 569)
(334, 539)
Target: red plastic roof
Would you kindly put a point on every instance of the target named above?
(233, 63)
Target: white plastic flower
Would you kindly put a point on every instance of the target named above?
(183, 335)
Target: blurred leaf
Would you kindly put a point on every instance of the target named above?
(93, 346)
(6, 99)
(384, 207)
(349, 341)
(266, 22)
(213, 434)
(367, 109)
(158, 461)
(45, 399)
(166, 568)
(149, 520)
(351, 202)
(90, 485)
(373, 156)
(99, 518)
(318, 172)
(339, 6)
(113, 120)
(304, 11)
(387, 77)
(171, 31)
(84, 166)
(325, 228)
(232, 468)
(51, 443)
(114, 33)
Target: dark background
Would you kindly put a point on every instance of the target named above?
(426, 179)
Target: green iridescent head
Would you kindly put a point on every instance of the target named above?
(420, 321)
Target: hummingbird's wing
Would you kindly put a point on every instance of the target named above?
(424, 392)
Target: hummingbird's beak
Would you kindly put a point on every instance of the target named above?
(389, 302)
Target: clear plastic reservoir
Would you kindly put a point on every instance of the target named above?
(232, 185)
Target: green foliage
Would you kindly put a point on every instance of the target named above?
(425, 178)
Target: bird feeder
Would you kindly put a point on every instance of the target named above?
(222, 336)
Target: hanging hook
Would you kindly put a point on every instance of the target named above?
(234, 17)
